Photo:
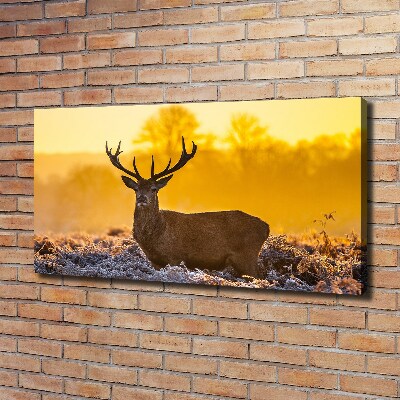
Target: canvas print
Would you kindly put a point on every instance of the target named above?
(253, 194)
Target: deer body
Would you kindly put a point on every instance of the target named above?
(209, 240)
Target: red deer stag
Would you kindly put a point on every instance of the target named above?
(209, 240)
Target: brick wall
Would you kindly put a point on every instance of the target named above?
(68, 338)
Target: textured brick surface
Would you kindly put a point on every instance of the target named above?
(67, 338)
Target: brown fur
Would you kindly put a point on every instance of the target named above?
(210, 240)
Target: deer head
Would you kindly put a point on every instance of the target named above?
(146, 189)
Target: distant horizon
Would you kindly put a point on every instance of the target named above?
(288, 120)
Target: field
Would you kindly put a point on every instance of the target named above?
(311, 262)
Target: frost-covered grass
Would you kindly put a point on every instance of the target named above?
(306, 263)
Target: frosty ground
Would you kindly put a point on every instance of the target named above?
(309, 263)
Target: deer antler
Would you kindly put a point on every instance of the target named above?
(114, 158)
(185, 157)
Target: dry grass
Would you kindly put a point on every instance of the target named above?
(313, 262)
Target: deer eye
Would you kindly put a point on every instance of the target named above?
(153, 189)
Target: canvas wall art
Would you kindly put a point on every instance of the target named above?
(254, 194)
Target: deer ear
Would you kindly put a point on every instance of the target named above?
(163, 182)
(130, 183)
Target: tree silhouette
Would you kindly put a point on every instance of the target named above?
(164, 130)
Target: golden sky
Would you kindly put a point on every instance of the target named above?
(85, 129)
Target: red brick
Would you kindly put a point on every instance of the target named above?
(64, 368)
(163, 37)
(156, 4)
(8, 239)
(164, 380)
(16, 221)
(383, 322)
(7, 65)
(63, 295)
(7, 100)
(87, 389)
(139, 94)
(62, 44)
(19, 362)
(115, 77)
(105, 6)
(39, 99)
(113, 337)
(352, 6)
(21, 12)
(252, 11)
(87, 317)
(215, 34)
(260, 392)
(310, 48)
(112, 300)
(19, 328)
(25, 204)
(246, 92)
(111, 40)
(165, 342)
(89, 60)
(8, 204)
(278, 353)
(138, 321)
(190, 326)
(14, 394)
(137, 57)
(86, 353)
(24, 292)
(67, 9)
(220, 387)
(336, 360)
(7, 31)
(248, 371)
(197, 365)
(267, 312)
(276, 29)
(383, 173)
(112, 374)
(307, 337)
(368, 385)
(63, 332)
(8, 378)
(87, 96)
(221, 72)
(384, 365)
(306, 7)
(191, 16)
(385, 235)
(38, 382)
(366, 342)
(335, 26)
(164, 75)
(306, 90)
(8, 308)
(18, 47)
(41, 63)
(334, 67)
(19, 256)
(367, 45)
(123, 393)
(307, 378)
(370, 87)
(40, 347)
(340, 318)
(223, 348)
(138, 20)
(42, 28)
(136, 358)
(14, 82)
(8, 344)
(89, 24)
(198, 93)
(383, 66)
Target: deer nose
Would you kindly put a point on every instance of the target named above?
(141, 199)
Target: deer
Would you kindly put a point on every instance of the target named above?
(212, 241)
